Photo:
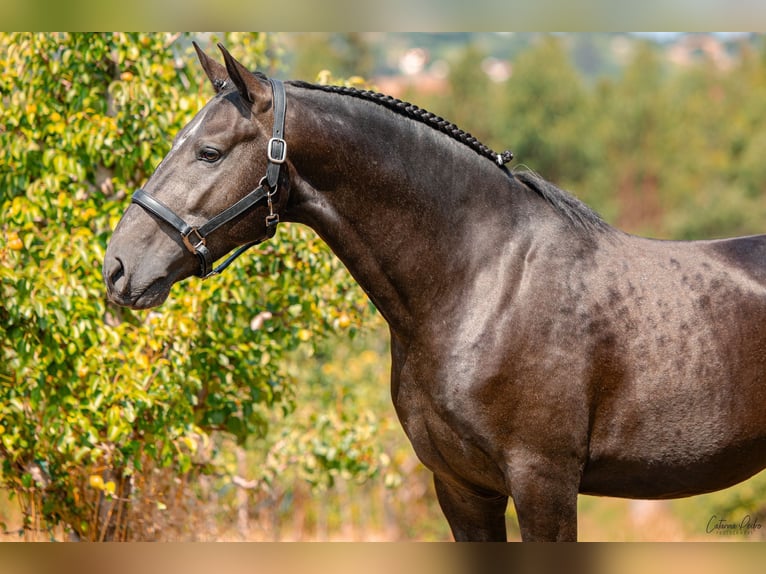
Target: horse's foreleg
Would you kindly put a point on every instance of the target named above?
(472, 516)
(546, 503)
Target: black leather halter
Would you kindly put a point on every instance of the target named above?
(195, 238)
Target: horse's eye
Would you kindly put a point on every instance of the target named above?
(209, 154)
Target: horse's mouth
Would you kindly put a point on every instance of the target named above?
(150, 299)
(152, 296)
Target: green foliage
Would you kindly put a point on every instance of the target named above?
(346, 54)
(338, 439)
(91, 395)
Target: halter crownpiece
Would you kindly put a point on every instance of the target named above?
(195, 238)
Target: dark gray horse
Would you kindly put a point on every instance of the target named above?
(536, 351)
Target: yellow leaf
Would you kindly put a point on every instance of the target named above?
(14, 241)
(190, 443)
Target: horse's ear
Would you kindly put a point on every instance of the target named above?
(248, 85)
(216, 73)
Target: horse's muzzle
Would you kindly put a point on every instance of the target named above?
(121, 291)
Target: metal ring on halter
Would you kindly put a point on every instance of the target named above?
(193, 247)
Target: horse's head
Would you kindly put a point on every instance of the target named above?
(218, 188)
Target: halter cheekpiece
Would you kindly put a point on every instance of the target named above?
(195, 238)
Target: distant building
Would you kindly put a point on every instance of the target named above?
(691, 48)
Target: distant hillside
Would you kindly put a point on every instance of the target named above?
(594, 55)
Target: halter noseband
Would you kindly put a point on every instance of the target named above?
(195, 238)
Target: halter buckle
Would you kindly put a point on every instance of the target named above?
(193, 247)
(277, 150)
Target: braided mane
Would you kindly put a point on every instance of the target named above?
(418, 114)
(574, 211)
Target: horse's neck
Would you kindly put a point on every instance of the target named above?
(405, 208)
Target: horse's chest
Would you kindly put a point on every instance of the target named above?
(447, 439)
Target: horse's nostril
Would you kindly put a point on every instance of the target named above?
(114, 270)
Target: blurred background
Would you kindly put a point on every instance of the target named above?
(133, 425)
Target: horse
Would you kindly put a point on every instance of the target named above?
(536, 351)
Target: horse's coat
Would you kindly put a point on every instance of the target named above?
(537, 352)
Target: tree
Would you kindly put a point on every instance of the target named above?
(102, 408)
(545, 114)
(342, 54)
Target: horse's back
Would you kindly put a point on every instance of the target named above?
(746, 253)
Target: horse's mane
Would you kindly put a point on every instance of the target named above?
(418, 114)
(576, 212)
